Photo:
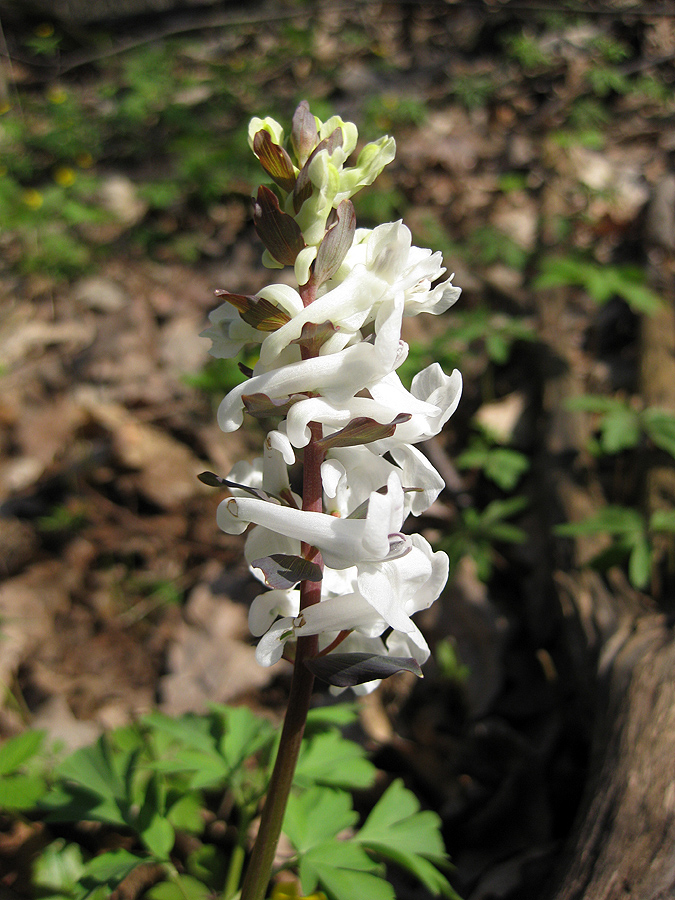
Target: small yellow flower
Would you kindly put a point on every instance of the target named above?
(64, 176)
(44, 30)
(84, 160)
(5, 107)
(32, 198)
(57, 95)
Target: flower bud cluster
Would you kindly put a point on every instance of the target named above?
(326, 375)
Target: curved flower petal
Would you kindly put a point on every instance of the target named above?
(271, 645)
(337, 376)
(342, 542)
(268, 607)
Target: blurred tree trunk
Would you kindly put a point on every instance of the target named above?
(624, 842)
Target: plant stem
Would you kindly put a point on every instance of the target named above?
(234, 872)
(262, 858)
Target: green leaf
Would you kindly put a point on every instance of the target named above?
(329, 759)
(183, 887)
(616, 520)
(662, 520)
(209, 769)
(189, 730)
(109, 868)
(155, 830)
(660, 426)
(593, 403)
(505, 467)
(245, 734)
(503, 509)
(92, 768)
(57, 870)
(397, 830)
(640, 563)
(187, 813)
(322, 717)
(91, 787)
(208, 864)
(21, 792)
(19, 749)
(620, 430)
(640, 297)
(315, 815)
(344, 871)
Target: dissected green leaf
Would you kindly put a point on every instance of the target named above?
(92, 786)
(502, 465)
(660, 426)
(344, 871)
(155, 830)
(327, 758)
(109, 868)
(620, 430)
(21, 792)
(617, 520)
(57, 870)
(317, 814)
(330, 716)
(208, 864)
(93, 768)
(187, 813)
(17, 750)
(245, 734)
(640, 563)
(399, 831)
(183, 887)
(662, 520)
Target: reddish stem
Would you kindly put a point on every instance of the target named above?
(262, 858)
(336, 643)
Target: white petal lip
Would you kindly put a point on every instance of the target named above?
(270, 647)
(337, 376)
(269, 606)
(340, 374)
(343, 542)
(347, 306)
(349, 612)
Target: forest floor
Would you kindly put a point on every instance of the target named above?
(534, 149)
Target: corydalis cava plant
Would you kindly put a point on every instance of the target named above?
(343, 577)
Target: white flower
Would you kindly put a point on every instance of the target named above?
(383, 597)
(338, 376)
(230, 333)
(327, 373)
(342, 542)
